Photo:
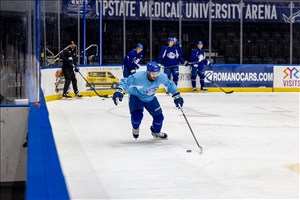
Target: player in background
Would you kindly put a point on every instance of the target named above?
(142, 87)
(176, 43)
(198, 57)
(132, 59)
(170, 56)
(69, 65)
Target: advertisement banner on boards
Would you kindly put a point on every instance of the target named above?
(286, 76)
(229, 76)
(100, 78)
(240, 75)
(106, 77)
(229, 11)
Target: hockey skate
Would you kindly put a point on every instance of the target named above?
(158, 135)
(203, 90)
(66, 96)
(195, 90)
(78, 95)
(135, 132)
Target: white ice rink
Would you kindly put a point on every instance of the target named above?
(250, 143)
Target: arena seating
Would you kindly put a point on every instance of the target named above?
(261, 45)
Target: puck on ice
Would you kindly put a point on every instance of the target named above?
(189, 151)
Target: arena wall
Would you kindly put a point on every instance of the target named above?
(239, 78)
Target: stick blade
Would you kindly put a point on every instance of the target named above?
(230, 92)
(200, 150)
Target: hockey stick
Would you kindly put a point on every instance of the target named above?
(226, 92)
(102, 96)
(189, 63)
(200, 148)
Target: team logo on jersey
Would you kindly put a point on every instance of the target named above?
(136, 60)
(151, 92)
(171, 55)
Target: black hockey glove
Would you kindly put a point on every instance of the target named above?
(76, 69)
(118, 95)
(178, 100)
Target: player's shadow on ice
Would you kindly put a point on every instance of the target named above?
(141, 142)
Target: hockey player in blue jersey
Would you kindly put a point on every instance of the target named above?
(142, 87)
(170, 56)
(176, 43)
(198, 57)
(132, 59)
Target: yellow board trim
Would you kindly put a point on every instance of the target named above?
(84, 94)
(286, 89)
(162, 90)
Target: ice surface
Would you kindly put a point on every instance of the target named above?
(248, 139)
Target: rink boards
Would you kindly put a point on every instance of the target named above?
(236, 77)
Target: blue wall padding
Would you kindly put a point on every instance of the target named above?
(45, 179)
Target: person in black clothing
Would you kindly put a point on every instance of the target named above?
(69, 65)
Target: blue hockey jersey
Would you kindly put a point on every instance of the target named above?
(138, 85)
(133, 58)
(199, 56)
(170, 56)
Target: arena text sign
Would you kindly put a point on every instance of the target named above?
(192, 10)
